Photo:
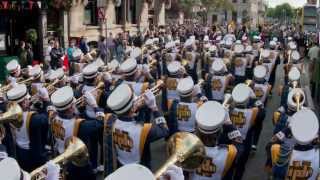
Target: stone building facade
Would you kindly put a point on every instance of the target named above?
(92, 18)
(245, 11)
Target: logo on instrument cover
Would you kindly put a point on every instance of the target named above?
(238, 119)
(207, 168)
(216, 85)
(183, 112)
(58, 130)
(171, 84)
(300, 170)
(122, 140)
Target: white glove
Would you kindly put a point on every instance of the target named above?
(90, 99)
(107, 77)
(196, 90)
(150, 99)
(173, 173)
(51, 108)
(145, 69)
(74, 79)
(43, 94)
(53, 171)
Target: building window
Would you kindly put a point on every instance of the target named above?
(244, 1)
(90, 13)
(214, 18)
(234, 16)
(132, 12)
(234, 1)
(119, 12)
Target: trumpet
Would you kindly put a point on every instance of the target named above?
(76, 152)
(155, 90)
(249, 82)
(186, 150)
(80, 100)
(9, 86)
(298, 98)
(13, 115)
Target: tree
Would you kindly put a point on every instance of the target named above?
(281, 11)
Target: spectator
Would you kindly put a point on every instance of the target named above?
(103, 50)
(56, 55)
(111, 46)
(84, 45)
(29, 54)
(22, 54)
(314, 66)
(47, 57)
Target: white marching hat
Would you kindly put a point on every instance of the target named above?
(121, 99)
(265, 53)
(273, 44)
(170, 44)
(304, 126)
(275, 39)
(292, 45)
(260, 72)
(295, 55)
(291, 102)
(129, 67)
(174, 67)
(149, 42)
(213, 48)
(90, 71)
(241, 93)
(136, 52)
(10, 170)
(249, 48)
(12, 66)
(294, 74)
(185, 87)
(206, 38)
(238, 48)
(17, 93)
(35, 71)
(218, 66)
(238, 42)
(210, 117)
(56, 74)
(131, 172)
(114, 64)
(63, 98)
(188, 43)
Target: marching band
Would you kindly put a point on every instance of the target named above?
(205, 97)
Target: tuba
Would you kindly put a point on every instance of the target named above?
(186, 150)
(76, 152)
(13, 115)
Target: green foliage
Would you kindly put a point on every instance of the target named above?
(217, 4)
(280, 11)
(32, 36)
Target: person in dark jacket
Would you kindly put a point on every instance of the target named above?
(56, 55)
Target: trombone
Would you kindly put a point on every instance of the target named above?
(13, 115)
(76, 152)
(186, 150)
(9, 86)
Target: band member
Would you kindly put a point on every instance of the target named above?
(243, 116)
(302, 162)
(248, 53)
(293, 80)
(209, 58)
(217, 81)
(131, 139)
(239, 64)
(192, 58)
(219, 159)
(14, 70)
(65, 125)
(137, 76)
(261, 89)
(31, 137)
(182, 112)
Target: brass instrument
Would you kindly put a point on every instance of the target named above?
(155, 90)
(81, 99)
(249, 82)
(186, 150)
(227, 100)
(295, 84)
(76, 152)
(260, 57)
(298, 98)
(13, 115)
(9, 86)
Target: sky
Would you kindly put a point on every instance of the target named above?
(294, 3)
